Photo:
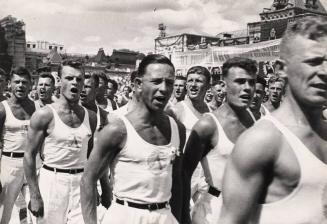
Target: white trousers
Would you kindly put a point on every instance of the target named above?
(198, 183)
(61, 197)
(207, 209)
(123, 214)
(12, 178)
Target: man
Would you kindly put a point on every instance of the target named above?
(179, 92)
(214, 135)
(189, 111)
(209, 96)
(65, 129)
(142, 150)
(218, 90)
(256, 106)
(277, 172)
(3, 84)
(91, 83)
(276, 87)
(109, 104)
(45, 88)
(15, 114)
(130, 105)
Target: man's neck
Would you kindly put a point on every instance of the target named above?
(198, 104)
(14, 100)
(45, 101)
(66, 104)
(101, 99)
(274, 104)
(90, 105)
(294, 113)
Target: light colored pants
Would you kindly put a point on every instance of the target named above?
(12, 179)
(198, 183)
(61, 197)
(207, 209)
(123, 214)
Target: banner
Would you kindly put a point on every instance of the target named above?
(216, 56)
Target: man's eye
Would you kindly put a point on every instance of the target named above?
(315, 61)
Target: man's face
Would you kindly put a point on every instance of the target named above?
(208, 97)
(102, 89)
(88, 93)
(157, 85)
(239, 87)
(307, 70)
(219, 92)
(126, 91)
(111, 91)
(179, 89)
(45, 88)
(196, 86)
(276, 91)
(3, 83)
(258, 97)
(72, 82)
(20, 86)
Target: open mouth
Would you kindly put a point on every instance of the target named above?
(321, 86)
(74, 90)
(245, 97)
(194, 91)
(160, 99)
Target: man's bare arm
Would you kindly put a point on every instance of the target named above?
(2, 121)
(176, 201)
(198, 143)
(108, 143)
(245, 175)
(35, 137)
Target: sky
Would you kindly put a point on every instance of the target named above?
(84, 26)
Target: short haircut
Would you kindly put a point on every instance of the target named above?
(280, 63)
(77, 64)
(114, 83)
(312, 27)
(153, 59)
(247, 64)
(275, 79)
(102, 76)
(201, 71)
(262, 81)
(48, 75)
(94, 77)
(20, 71)
(133, 76)
(180, 77)
(129, 88)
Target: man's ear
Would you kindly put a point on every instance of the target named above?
(138, 82)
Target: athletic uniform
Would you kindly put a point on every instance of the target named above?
(307, 203)
(266, 111)
(65, 154)
(12, 170)
(207, 209)
(198, 182)
(142, 179)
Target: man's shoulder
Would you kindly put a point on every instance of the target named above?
(42, 117)
(260, 144)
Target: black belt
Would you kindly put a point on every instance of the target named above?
(70, 171)
(213, 191)
(13, 154)
(151, 207)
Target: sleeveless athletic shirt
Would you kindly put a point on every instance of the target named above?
(14, 131)
(215, 161)
(66, 147)
(142, 172)
(188, 118)
(307, 203)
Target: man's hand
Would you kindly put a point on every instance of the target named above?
(106, 198)
(36, 207)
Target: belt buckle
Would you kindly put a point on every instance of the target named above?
(11, 155)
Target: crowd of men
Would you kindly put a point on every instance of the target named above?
(197, 149)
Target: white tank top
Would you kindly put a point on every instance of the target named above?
(267, 112)
(66, 147)
(188, 118)
(307, 203)
(142, 172)
(14, 131)
(214, 162)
